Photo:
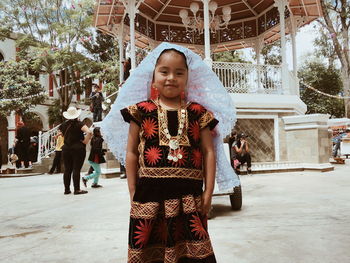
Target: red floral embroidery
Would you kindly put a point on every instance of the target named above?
(197, 158)
(150, 127)
(197, 108)
(197, 228)
(147, 106)
(153, 155)
(142, 236)
(194, 130)
(161, 232)
(182, 161)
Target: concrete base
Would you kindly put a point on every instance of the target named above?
(110, 173)
(19, 175)
(276, 167)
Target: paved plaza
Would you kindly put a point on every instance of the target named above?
(287, 217)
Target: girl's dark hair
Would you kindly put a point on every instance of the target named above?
(175, 50)
(97, 131)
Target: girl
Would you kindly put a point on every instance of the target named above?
(95, 158)
(170, 153)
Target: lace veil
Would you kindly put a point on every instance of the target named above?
(203, 87)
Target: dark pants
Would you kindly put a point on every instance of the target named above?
(22, 149)
(56, 165)
(97, 116)
(245, 159)
(336, 149)
(73, 159)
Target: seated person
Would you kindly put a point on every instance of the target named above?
(241, 152)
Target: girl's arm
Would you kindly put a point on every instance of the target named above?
(132, 156)
(209, 164)
(88, 134)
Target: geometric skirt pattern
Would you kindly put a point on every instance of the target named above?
(170, 231)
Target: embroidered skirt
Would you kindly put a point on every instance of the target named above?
(165, 225)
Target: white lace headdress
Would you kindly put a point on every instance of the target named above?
(203, 87)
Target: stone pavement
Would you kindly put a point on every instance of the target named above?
(286, 218)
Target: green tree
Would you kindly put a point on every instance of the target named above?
(16, 83)
(53, 31)
(336, 21)
(271, 53)
(229, 56)
(323, 78)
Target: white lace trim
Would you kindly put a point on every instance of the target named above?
(203, 87)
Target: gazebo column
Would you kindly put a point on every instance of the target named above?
(281, 5)
(118, 31)
(207, 58)
(258, 45)
(131, 7)
(11, 128)
(293, 30)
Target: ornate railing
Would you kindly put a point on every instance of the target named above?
(47, 143)
(250, 78)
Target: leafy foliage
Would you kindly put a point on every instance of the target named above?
(271, 53)
(336, 22)
(16, 83)
(229, 56)
(325, 79)
(57, 39)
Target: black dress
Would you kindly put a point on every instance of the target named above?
(73, 152)
(165, 225)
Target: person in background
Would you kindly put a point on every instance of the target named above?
(241, 149)
(33, 151)
(73, 149)
(96, 101)
(22, 144)
(56, 165)
(127, 68)
(95, 158)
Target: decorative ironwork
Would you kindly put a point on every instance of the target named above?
(260, 139)
(247, 29)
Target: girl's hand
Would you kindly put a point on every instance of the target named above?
(206, 203)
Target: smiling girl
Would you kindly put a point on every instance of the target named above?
(170, 163)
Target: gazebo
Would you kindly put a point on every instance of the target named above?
(263, 94)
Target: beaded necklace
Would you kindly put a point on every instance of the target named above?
(174, 141)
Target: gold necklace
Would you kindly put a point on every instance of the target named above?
(174, 141)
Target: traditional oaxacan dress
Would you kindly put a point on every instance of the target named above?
(165, 225)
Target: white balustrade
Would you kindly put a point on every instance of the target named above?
(250, 78)
(47, 143)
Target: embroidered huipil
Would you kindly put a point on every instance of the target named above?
(165, 225)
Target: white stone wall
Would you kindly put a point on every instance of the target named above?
(8, 49)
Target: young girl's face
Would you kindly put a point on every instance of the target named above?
(170, 75)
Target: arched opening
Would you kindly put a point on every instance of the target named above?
(33, 122)
(2, 58)
(4, 139)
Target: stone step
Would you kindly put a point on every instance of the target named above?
(110, 173)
